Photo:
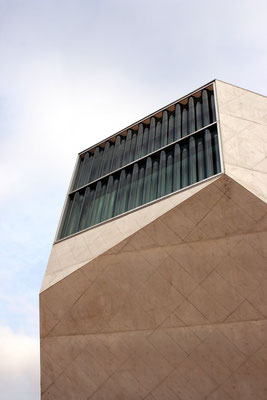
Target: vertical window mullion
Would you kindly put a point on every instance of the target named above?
(208, 153)
(184, 173)
(144, 148)
(154, 179)
(216, 152)
(199, 122)
(147, 181)
(184, 122)
(178, 122)
(126, 156)
(169, 173)
(200, 158)
(212, 108)
(177, 166)
(164, 129)
(191, 115)
(205, 108)
(162, 174)
(192, 161)
(139, 142)
(133, 188)
(171, 129)
(157, 136)
(151, 135)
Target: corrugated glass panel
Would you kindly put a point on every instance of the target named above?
(147, 181)
(170, 151)
(154, 180)
(133, 188)
(140, 186)
(164, 129)
(169, 173)
(151, 137)
(192, 161)
(171, 129)
(178, 122)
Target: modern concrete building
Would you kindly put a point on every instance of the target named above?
(156, 286)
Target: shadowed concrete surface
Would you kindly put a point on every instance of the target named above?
(177, 310)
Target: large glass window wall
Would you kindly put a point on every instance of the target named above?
(175, 149)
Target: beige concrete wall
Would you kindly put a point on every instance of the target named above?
(71, 254)
(169, 301)
(177, 310)
(243, 121)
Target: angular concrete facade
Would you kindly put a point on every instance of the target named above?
(170, 300)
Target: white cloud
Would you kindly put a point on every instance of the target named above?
(19, 366)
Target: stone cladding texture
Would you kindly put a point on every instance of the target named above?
(178, 310)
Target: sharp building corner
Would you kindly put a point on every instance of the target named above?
(156, 285)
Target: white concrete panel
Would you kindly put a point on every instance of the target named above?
(243, 122)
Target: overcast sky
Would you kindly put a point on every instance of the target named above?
(73, 72)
